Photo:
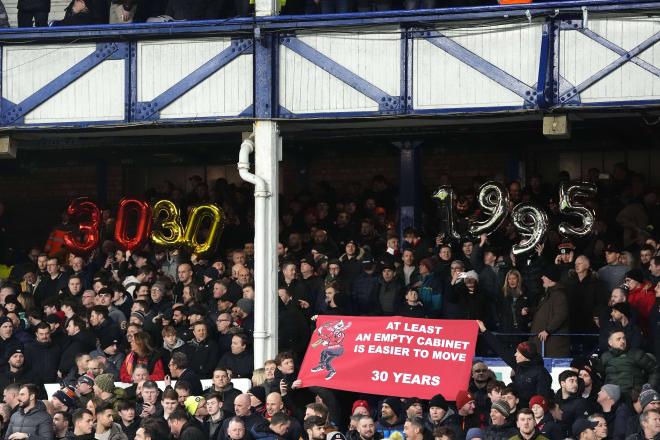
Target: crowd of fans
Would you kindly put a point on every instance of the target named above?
(88, 321)
(85, 12)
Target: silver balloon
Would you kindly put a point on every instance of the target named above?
(494, 202)
(571, 198)
(446, 197)
(532, 224)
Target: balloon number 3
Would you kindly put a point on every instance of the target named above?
(89, 230)
(170, 223)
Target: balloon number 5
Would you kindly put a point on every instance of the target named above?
(571, 198)
(88, 230)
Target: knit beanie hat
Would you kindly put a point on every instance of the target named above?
(191, 404)
(247, 305)
(462, 398)
(359, 404)
(613, 391)
(439, 401)
(540, 401)
(258, 392)
(648, 395)
(635, 274)
(105, 382)
(474, 433)
(502, 407)
(394, 403)
(528, 350)
(67, 396)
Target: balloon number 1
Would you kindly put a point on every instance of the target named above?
(530, 221)
(131, 235)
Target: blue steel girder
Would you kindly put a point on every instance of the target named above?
(569, 96)
(387, 104)
(528, 93)
(150, 110)
(12, 112)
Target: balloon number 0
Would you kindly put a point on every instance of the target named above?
(530, 221)
(164, 217)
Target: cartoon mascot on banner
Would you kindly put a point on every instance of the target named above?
(331, 336)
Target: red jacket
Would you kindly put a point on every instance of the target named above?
(642, 299)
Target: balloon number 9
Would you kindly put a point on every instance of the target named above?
(494, 201)
(532, 224)
(197, 216)
(570, 203)
(171, 223)
(88, 229)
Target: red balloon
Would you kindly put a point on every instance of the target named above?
(89, 230)
(142, 227)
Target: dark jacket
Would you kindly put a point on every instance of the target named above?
(573, 408)
(551, 315)
(530, 378)
(202, 356)
(47, 357)
(629, 369)
(37, 423)
(586, 299)
(191, 432)
(617, 420)
(390, 295)
(193, 380)
(497, 432)
(364, 291)
(550, 428)
(83, 342)
(241, 365)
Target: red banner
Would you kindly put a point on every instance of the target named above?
(391, 355)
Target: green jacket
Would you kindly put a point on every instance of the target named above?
(630, 369)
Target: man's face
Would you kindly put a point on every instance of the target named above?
(269, 371)
(149, 395)
(645, 256)
(105, 418)
(287, 366)
(169, 405)
(570, 385)
(445, 253)
(237, 345)
(85, 424)
(88, 299)
(651, 425)
(497, 417)
(213, 406)
(617, 341)
(273, 403)
(386, 411)
(316, 433)
(526, 423)
(436, 413)
(24, 398)
(468, 408)
(581, 264)
(289, 271)
(333, 270)
(241, 406)
(105, 299)
(6, 330)
(366, 428)
(16, 360)
(53, 267)
(480, 372)
(140, 435)
(43, 335)
(184, 272)
(654, 268)
(127, 414)
(388, 275)
(281, 428)
(586, 378)
(156, 294)
(409, 430)
(612, 257)
(77, 264)
(408, 258)
(200, 332)
(220, 378)
(601, 429)
(140, 375)
(75, 286)
(42, 263)
(236, 431)
(59, 423)
(244, 276)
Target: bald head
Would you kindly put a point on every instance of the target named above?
(242, 405)
(274, 403)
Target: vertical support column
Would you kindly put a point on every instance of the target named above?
(267, 156)
(409, 184)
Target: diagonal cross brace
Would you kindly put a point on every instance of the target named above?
(486, 68)
(619, 51)
(143, 111)
(386, 102)
(12, 112)
(602, 73)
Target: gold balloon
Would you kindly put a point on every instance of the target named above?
(197, 215)
(171, 223)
